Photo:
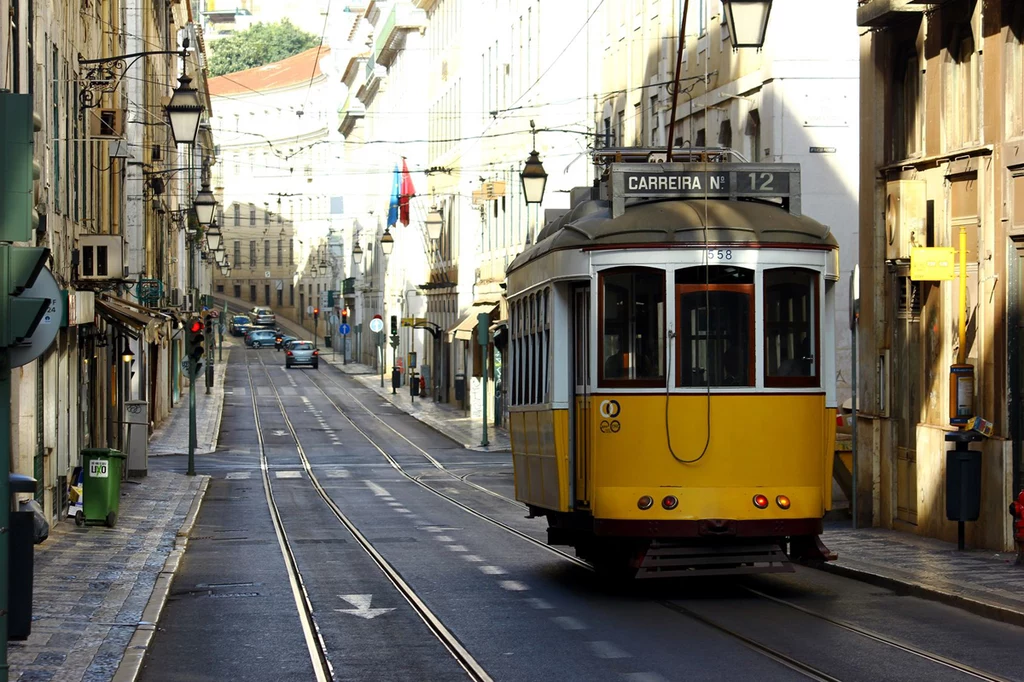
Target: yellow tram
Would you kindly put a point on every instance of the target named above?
(672, 381)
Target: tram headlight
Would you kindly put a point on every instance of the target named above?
(760, 501)
(670, 502)
(645, 502)
(782, 501)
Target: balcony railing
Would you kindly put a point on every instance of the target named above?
(391, 36)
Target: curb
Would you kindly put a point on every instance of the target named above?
(984, 609)
(131, 663)
(222, 370)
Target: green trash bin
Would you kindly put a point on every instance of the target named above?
(101, 485)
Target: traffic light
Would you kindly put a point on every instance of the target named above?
(316, 313)
(394, 325)
(196, 347)
(17, 170)
(209, 325)
(20, 315)
(344, 316)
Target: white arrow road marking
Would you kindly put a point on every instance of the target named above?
(279, 432)
(361, 602)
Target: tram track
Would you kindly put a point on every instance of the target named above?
(807, 670)
(321, 659)
(780, 657)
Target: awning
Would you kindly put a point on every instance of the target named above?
(139, 321)
(463, 331)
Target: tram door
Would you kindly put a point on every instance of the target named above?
(581, 349)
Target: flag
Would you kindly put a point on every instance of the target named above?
(393, 207)
(407, 193)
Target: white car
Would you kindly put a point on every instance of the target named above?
(262, 317)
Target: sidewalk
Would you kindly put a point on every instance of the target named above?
(983, 582)
(171, 437)
(98, 592)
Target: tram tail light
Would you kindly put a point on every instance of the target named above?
(782, 501)
(645, 502)
(760, 501)
(670, 502)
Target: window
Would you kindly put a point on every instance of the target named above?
(266, 253)
(655, 124)
(291, 252)
(790, 327)
(701, 139)
(266, 217)
(237, 214)
(632, 334)
(715, 323)
(238, 291)
(237, 258)
(620, 128)
(1015, 72)
(252, 293)
(280, 253)
(608, 140)
(530, 344)
(220, 288)
(908, 98)
(960, 91)
(252, 214)
(291, 294)
(252, 253)
(725, 134)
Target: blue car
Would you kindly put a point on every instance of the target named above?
(240, 325)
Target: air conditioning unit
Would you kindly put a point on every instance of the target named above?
(905, 217)
(102, 257)
(106, 123)
(174, 298)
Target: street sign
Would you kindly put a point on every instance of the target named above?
(215, 313)
(185, 364)
(345, 329)
(266, 274)
(309, 310)
(376, 325)
(45, 332)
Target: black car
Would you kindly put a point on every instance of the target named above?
(240, 325)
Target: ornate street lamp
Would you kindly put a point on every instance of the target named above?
(387, 243)
(434, 223)
(225, 269)
(214, 237)
(128, 355)
(184, 111)
(323, 268)
(747, 21)
(205, 204)
(534, 179)
(357, 251)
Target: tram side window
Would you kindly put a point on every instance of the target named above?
(530, 341)
(791, 327)
(632, 327)
(716, 322)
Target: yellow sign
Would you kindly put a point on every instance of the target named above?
(932, 264)
(478, 197)
(493, 189)
(413, 321)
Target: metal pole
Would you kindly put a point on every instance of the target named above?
(191, 418)
(675, 82)
(962, 351)
(853, 428)
(484, 441)
(380, 344)
(5, 498)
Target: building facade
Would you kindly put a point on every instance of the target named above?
(115, 252)
(942, 104)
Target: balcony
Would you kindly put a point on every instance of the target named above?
(402, 19)
(348, 287)
(350, 112)
(886, 12)
(425, 5)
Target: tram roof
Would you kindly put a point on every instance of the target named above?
(590, 224)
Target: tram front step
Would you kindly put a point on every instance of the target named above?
(667, 561)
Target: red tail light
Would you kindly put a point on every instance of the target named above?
(760, 501)
(316, 352)
(289, 352)
(670, 502)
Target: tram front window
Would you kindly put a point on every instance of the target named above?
(633, 327)
(790, 327)
(716, 319)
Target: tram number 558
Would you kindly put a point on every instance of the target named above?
(719, 254)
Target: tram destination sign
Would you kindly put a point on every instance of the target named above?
(698, 180)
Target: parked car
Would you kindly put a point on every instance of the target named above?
(258, 338)
(262, 317)
(302, 353)
(240, 325)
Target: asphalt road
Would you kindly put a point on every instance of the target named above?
(520, 611)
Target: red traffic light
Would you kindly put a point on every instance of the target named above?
(196, 326)
(316, 311)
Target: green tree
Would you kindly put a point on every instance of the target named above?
(258, 45)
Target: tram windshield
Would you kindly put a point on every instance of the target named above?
(633, 327)
(716, 318)
(790, 326)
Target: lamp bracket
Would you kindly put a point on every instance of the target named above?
(104, 74)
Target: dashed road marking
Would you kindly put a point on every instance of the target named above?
(377, 490)
(402, 510)
(643, 677)
(538, 603)
(569, 623)
(238, 475)
(472, 557)
(337, 473)
(513, 586)
(394, 504)
(603, 649)
(444, 538)
(457, 548)
(493, 570)
(287, 474)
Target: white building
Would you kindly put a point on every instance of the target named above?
(273, 125)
